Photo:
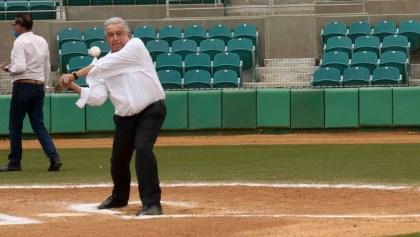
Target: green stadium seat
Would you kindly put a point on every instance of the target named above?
(77, 3)
(197, 79)
(327, 76)
(359, 28)
(170, 33)
(124, 2)
(184, 47)
(103, 46)
(339, 43)
(169, 61)
(247, 31)
(22, 6)
(212, 47)
(48, 7)
(149, 2)
(250, 32)
(157, 47)
(332, 29)
(77, 63)
(197, 33)
(170, 79)
(69, 34)
(367, 43)
(386, 76)
(226, 79)
(411, 30)
(227, 61)
(245, 49)
(145, 33)
(335, 59)
(222, 32)
(198, 61)
(356, 76)
(399, 60)
(384, 28)
(2, 11)
(69, 50)
(396, 43)
(94, 34)
(100, 2)
(365, 59)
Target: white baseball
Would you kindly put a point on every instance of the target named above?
(95, 51)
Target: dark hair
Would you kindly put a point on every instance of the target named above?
(24, 20)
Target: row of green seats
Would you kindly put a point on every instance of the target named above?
(133, 2)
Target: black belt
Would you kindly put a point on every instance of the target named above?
(159, 102)
(28, 81)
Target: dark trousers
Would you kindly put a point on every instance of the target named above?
(139, 133)
(28, 99)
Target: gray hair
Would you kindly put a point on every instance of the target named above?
(117, 20)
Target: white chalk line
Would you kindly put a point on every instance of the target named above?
(91, 208)
(14, 220)
(270, 185)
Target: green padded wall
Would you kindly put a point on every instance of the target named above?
(273, 108)
(47, 117)
(205, 109)
(406, 106)
(375, 107)
(100, 118)
(341, 108)
(239, 109)
(66, 117)
(4, 113)
(177, 110)
(307, 108)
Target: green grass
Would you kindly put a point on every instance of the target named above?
(407, 235)
(368, 164)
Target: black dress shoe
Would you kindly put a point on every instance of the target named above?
(55, 165)
(151, 209)
(10, 168)
(111, 203)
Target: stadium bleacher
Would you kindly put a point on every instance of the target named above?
(288, 49)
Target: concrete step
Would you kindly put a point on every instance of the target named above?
(258, 11)
(287, 78)
(280, 62)
(272, 74)
(267, 2)
(279, 84)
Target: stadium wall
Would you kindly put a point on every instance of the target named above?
(292, 109)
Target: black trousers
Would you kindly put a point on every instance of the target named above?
(138, 132)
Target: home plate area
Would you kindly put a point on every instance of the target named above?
(240, 209)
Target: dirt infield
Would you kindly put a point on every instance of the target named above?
(221, 210)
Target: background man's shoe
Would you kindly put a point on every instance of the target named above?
(111, 203)
(55, 165)
(10, 168)
(151, 209)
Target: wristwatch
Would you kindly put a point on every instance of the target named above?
(6, 69)
(75, 76)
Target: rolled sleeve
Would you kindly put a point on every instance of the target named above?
(95, 95)
(84, 96)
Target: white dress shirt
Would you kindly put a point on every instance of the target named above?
(128, 77)
(30, 58)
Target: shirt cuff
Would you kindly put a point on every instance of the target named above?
(84, 96)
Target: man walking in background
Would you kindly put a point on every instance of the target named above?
(29, 69)
(128, 77)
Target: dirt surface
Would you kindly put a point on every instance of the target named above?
(221, 210)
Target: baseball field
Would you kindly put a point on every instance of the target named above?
(302, 184)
